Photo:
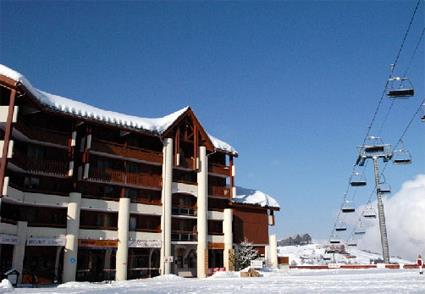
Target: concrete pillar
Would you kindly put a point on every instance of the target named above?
(19, 248)
(71, 242)
(273, 251)
(167, 182)
(122, 251)
(202, 221)
(228, 238)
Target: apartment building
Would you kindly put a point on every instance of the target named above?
(92, 195)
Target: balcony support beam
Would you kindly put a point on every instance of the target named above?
(72, 234)
(167, 182)
(123, 234)
(6, 140)
(202, 222)
(228, 238)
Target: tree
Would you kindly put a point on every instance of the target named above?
(242, 255)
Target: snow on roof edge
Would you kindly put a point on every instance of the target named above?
(70, 106)
(254, 197)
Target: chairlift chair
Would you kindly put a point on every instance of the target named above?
(384, 188)
(348, 207)
(360, 232)
(369, 213)
(402, 156)
(357, 179)
(340, 227)
(400, 88)
(334, 241)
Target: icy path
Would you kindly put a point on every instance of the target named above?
(296, 281)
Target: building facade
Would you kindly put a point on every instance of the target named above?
(93, 195)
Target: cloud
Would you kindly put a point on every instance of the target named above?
(405, 219)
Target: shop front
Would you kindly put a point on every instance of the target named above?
(43, 261)
(143, 259)
(96, 260)
(184, 260)
(7, 242)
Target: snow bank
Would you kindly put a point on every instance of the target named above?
(81, 285)
(224, 275)
(255, 197)
(404, 213)
(70, 106)
(5, 284)
(169, 277)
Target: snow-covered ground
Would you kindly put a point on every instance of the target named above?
(316, 254)
(294, 281)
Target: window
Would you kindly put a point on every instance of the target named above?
(31, 182)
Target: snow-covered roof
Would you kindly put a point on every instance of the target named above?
(73, 107)
(254, 197)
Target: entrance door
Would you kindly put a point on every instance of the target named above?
(96, 265)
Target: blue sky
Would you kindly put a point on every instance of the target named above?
(292, 85)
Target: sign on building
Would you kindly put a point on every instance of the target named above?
(98, 243)
(168, 259)
(8, 239)
(40, 241)
(144, 243)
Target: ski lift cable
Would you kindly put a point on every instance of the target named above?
(409, 124)
(412, 57)
(405, 35)
(393, 66)
(414, 52)
(381, 99)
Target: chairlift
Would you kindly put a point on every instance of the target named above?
(334, 241)
(384, 188)
(373, 147)
(399, 88)
(402, 155)
(348, 207)
(357, 179)
(340, 227)
(351, 244)
(369, 212)
(360, 232)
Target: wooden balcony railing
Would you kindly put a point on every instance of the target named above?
(120, 177)
(183, 236)
(186, 162)
(180, 210)
(38, 166)
(219, 169)
(126, 151)
(8, 221)
(43, 135)
(147, 230)
(219, 191)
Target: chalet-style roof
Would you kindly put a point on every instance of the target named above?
(72, 107)
(254, 197)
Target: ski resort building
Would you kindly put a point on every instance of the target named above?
(93, 195)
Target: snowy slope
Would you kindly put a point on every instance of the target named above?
(316, 254)
(295, 281)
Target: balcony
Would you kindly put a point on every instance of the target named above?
(46, 167)
(119, 150)
(183, 236)
(186, 162)
(42, 135)
(220, 191)
(219, 169)
(185, 211)
(123, 178)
